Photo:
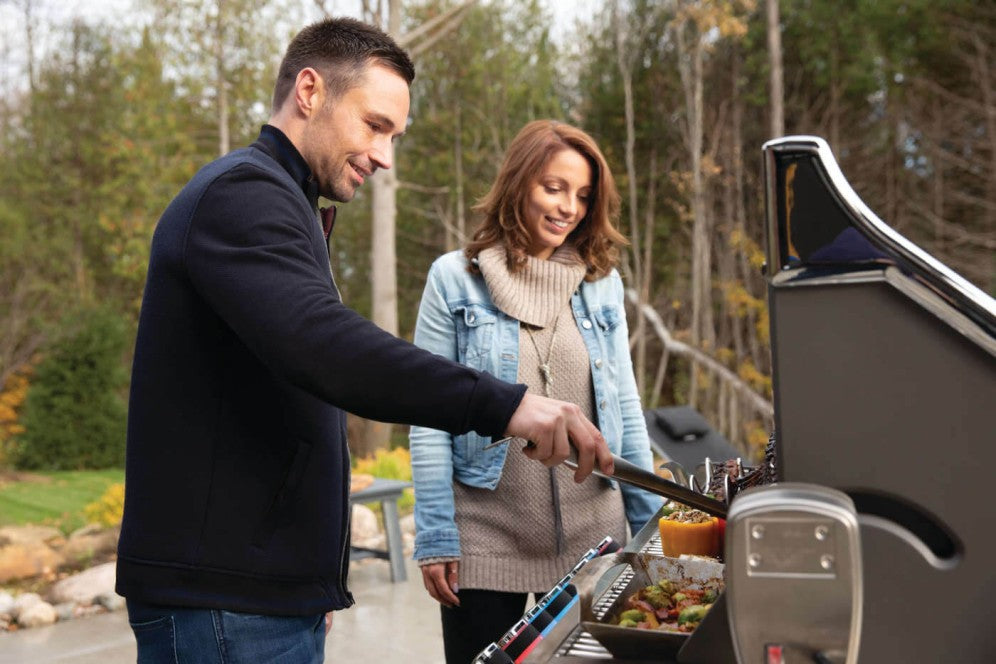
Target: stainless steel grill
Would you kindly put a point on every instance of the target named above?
(582, 644)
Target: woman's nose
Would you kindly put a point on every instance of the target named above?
(569, 206)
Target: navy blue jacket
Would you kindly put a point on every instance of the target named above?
(237, 472)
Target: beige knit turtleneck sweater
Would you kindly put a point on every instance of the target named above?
(508, 537)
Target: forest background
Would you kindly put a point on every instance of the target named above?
(102, 120)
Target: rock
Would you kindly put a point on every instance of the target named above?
(64, 611)
(408, 524)
(31, 535)
(37, 614)
(6, 601)
(27, 551)
(110, 601)
(87, 610)
(364, 524)
(90, 541)
(22, 602)
(86, 586)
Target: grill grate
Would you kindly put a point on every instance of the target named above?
(582, 644)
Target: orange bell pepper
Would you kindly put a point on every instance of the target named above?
(693, 538)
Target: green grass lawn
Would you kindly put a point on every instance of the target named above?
(52, 498)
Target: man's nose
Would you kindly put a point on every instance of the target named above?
(382, 153)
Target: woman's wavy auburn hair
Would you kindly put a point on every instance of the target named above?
(595, 237)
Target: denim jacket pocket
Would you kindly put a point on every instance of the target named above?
(607, 317)
(468, 449)
(475, 325)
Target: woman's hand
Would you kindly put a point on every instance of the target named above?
(440, 580)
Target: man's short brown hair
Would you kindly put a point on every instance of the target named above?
(339, 49)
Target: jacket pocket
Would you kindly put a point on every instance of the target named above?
(475, 325)
(278, 510)
(607, 317)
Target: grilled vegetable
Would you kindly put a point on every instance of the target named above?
(692, 614)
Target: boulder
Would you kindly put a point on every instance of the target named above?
(64, 611)
(27, 551)
(86, 586)
(89, 541)
(38, 614)
(363, 525)
(110, 601)
(23, 602)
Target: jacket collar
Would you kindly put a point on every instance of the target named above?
(277, 145)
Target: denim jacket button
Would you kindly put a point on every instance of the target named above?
(598, 363)
(471, 318)
(601, 405)
(586, 324)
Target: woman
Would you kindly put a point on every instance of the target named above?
(535, 299)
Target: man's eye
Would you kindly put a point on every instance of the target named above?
(374, 126)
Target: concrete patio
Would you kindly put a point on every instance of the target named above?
(389, 622)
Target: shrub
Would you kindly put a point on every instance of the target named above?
(12, 397)
(74, 416)
(109, 508)
(393, 464)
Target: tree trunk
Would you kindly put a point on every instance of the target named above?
(983, 74)
(383, 260)
(777, 127)
(624, 63)
(224, 141)
(644, 285)
(461, 213)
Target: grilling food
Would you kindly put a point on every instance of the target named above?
(665, 606)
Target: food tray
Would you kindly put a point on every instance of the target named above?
(647, 569)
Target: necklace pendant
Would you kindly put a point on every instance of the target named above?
(545, 371)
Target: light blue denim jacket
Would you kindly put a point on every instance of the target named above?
(458, 320)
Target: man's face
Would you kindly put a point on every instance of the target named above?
(349, 139)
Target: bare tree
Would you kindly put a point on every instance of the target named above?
(384, 191)
(777, 101)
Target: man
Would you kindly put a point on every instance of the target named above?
(235, 536)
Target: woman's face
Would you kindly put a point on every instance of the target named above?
(557, 201)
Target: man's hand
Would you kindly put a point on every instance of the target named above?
(441, 580)
(328, 622)
(553, 426)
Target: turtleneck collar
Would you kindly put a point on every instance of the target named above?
(278, 146)
(536, 293)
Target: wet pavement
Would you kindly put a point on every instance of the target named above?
(389, 622)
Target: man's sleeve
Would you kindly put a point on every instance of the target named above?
(249, 254)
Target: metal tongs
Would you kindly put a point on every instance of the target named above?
(632, 474)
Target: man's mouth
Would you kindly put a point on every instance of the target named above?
(360, 174)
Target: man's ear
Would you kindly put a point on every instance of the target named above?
(309, 91)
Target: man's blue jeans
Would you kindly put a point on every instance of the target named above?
(175, 635)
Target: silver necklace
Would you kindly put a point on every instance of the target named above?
(544, 366)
